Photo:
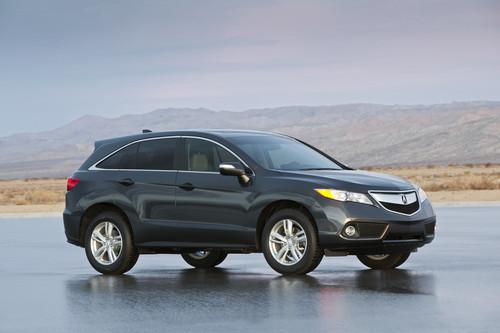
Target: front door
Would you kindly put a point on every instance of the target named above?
(212, 207)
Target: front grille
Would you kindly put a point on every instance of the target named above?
(399, 202)
(371, 230)
(403, 237)
(405, 209)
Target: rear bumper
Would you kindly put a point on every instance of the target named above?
(72, 227)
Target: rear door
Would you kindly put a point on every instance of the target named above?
(144, 173)
(212, 207)
(153, 193)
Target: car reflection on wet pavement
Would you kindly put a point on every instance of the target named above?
(451, 285)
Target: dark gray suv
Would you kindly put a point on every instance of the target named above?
(204, 194)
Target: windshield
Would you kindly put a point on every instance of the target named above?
(282, 153)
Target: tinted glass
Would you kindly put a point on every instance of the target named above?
(123, 159)
(156, 154)
(282, 153)
(204, 155)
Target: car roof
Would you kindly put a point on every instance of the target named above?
(234, 132)
(104, 147)
(223, 133)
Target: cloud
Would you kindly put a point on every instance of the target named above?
(65, 59)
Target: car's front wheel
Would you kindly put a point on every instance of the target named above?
(108, 244)
(204, 259)
(384, 261)
(290, 243)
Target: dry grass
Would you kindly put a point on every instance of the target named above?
(22, 192)
(443, 183)
(450, 178)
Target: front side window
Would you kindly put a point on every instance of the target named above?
(203, 155)
(282, 153)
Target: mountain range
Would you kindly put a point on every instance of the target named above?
(357, 134)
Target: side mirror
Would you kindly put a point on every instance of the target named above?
(234, 169)
(231, 169)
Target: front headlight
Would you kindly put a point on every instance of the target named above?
(344, 195)
(421, 194)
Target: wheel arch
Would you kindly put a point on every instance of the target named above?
(97, 208)
(273, 207)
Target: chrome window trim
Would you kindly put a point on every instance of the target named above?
(193, 171)
(94, 167)
(401, 192)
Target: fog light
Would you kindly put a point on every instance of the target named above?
(350, 231)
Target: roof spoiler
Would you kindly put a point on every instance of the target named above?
(99, 143)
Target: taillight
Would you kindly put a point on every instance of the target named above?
(71, 182)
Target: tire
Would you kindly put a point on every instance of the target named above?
(204, 259)
(289, 254)
(388, 261)
(125, 254)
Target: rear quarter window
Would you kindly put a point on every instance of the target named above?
(123, 159)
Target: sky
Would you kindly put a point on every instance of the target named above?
(60, 60)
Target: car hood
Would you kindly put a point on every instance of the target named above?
(354, 180)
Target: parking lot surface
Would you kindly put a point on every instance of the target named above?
(451, 285)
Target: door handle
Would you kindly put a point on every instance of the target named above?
(126, 181)
(187, 186)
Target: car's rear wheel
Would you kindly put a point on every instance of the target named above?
(290, 243)
(108, 244)
(204, 259)
(384, 261)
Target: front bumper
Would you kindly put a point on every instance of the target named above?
(377, 231)
(398, 237)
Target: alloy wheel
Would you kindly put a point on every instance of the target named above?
(106, 243)
(377, 256)
(199, 254)
(287, 242)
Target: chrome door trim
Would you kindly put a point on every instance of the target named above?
(94, 167)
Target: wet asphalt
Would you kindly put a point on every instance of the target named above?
(451, 285)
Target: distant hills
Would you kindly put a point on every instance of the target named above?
(357, 134)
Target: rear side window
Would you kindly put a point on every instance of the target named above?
(156, 154)
(204, 155)
(122, 159)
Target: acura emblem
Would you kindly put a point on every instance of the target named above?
(403, 198)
